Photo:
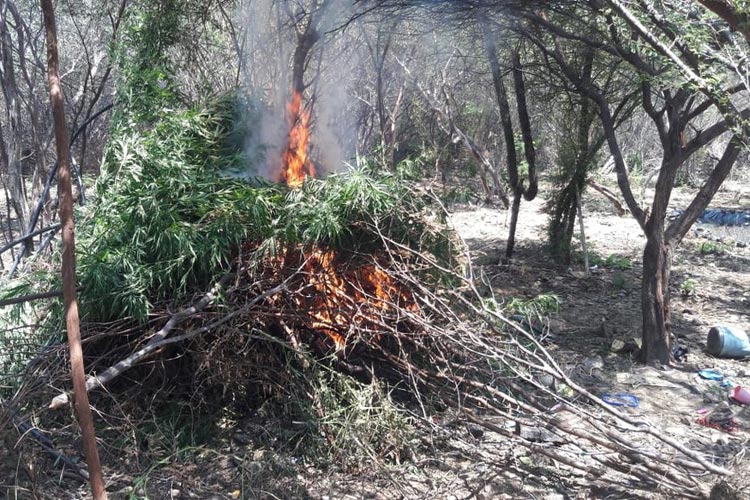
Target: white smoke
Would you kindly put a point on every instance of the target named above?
(270, 40)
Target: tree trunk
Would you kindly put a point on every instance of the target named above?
(514, 209)
(14, 179)
(657, 264)
(72, 321)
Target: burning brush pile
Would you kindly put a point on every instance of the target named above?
(196, 284)
(339, 305)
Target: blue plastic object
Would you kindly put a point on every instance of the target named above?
(710, 374)
(621, 399)
(728, 342)
(722, 217)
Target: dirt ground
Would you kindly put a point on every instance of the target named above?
(710, 285)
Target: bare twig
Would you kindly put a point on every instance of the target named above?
(612, 197)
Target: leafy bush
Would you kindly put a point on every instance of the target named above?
(542, 305)
(688, 287)
(711, 248)
(166, 222)
(618, 262)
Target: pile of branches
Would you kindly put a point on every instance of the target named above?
(424, 331)
(231, 294)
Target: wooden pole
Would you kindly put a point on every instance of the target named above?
(83, 411)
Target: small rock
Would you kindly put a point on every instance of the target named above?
(175, 492)
(546, 380)
(623, 378)
(593, 363)
(557, 325)
(617, 345)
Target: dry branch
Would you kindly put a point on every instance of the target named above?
(157, 341)
(441, 343)
(612, 197)
(451, 129)
(25, 237)
(30, 297)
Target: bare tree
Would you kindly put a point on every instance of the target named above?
(520, 190)
(672, 109)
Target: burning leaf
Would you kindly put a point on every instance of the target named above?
(296, 165)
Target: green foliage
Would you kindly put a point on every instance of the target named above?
(412, 167)
(350, 422)
(460, 194)
(711, 248)
(175, 429)
(576, 157)
(688, 287)
(146, 82)
(540, 306)
(472, 169)
(619, 262)
(613, 261)
(618, 281)
(523, 164)
(166, 222)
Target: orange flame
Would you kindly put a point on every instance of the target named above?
(344, 299)
(296, 165)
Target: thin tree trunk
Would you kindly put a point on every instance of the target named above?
(655, 307)
(584, 248)
(501, 94)
(524, 123)
(83, 411)
(514, 209)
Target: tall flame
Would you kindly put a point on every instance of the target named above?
(296, 165)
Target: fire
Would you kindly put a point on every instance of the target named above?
(336, 298)
(354, 299)
(296, 165)
(341, 299)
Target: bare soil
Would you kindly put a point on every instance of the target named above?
(710, 285)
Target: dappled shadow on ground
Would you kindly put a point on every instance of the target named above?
(223, 470)
(601, 311)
